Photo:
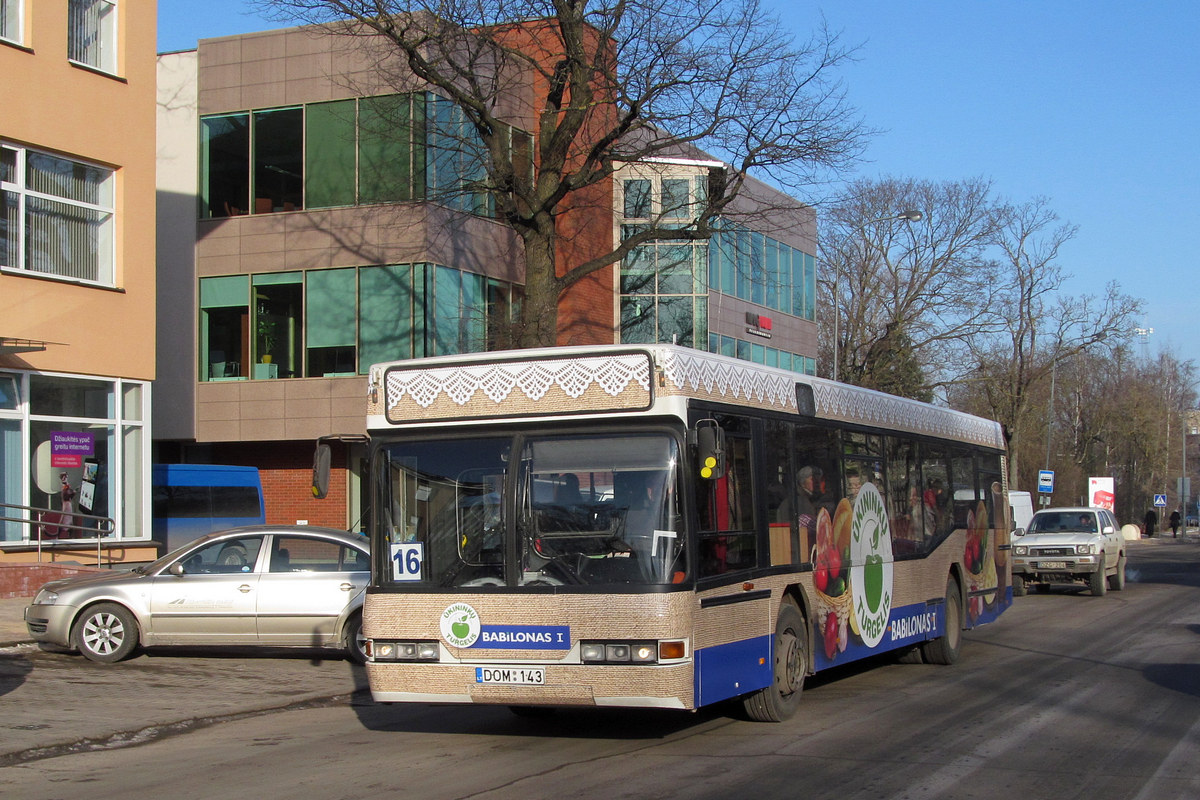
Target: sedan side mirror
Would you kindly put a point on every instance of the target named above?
(176, 569)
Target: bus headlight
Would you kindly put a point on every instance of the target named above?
(631, 652)
(402, 651)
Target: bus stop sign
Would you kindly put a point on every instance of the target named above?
(1046, 481)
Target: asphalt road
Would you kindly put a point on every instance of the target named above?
(1067, 696)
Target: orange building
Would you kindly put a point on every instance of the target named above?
(77, 276)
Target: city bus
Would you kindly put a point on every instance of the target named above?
(659, 527)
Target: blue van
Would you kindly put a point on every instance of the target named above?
(191, 500)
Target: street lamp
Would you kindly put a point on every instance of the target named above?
(910, 215)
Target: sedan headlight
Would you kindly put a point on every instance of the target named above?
(1021, 549)
(45, 598)
(1085, 549)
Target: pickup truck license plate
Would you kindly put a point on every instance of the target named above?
(523, 676)
(1052, 564)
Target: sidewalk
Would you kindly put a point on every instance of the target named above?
(12, 620)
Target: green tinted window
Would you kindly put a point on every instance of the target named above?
(385, 302)
(330, 155)
(385, 149)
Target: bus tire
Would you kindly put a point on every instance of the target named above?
(944, 649)
(779, 701)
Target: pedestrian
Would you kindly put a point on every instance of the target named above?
(1151, 521)
(1175, 523)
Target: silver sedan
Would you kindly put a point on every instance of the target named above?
(299, 586)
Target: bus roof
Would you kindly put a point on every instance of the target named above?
(658, 379)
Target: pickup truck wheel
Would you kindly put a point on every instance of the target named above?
(1020, 588)
(1117, 582)
(1097, 582)
(944, 649)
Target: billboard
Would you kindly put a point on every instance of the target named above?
(1100, 492)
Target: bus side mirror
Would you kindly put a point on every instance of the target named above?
(320, 476)
(710, 449)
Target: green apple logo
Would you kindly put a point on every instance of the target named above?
(871, 565)
(873, 578)
(460, 625)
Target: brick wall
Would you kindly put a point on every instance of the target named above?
(23, 580)
(285, 469)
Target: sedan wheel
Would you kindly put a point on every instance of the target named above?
(355, 642)
(106, 633)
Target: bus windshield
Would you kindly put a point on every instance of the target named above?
(565, 510)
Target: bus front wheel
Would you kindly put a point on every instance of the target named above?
(779, 701)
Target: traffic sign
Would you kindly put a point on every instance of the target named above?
(1160, 500)
(1046, 480)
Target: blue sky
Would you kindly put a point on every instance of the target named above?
(1095, 106)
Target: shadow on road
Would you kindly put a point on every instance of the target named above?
(14, 666)
(1182, 678)
(615, 724)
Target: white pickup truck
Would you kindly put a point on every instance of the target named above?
(1068, 545)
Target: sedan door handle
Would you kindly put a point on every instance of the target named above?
(348, 587)
(245, 587)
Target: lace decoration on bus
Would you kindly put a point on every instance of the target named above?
(534, 379)
(698, 371)
(853, 404)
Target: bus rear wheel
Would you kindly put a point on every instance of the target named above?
(944, 649)
(779, 701)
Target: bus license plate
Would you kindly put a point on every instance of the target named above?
(1052, 565)
(522, 676)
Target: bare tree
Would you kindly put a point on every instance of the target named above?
(607, 84)
(1033, 328)
(901, 291)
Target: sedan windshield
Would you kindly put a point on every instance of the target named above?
(532, 511)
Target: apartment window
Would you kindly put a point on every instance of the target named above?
(332, 322)
(331, 326)
(56, 216)
(225, 328)
(92, 33)
(225, 165)
(278, 158)
(637, 199)
(257, 156)
(10, 20)
(674, 198)
(763, 270)
(663, 294)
